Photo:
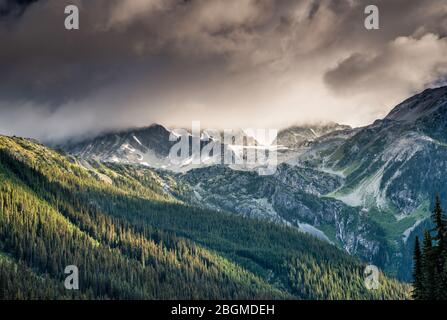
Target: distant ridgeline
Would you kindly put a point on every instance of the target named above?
(130, 239)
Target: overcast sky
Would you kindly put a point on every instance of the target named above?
(226, 63)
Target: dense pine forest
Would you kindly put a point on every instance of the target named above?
(430, 262)
(132, 240)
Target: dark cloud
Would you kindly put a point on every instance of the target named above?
(224, 62)
(396, 63)
(14, 7)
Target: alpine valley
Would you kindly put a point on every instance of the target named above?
(139, 226)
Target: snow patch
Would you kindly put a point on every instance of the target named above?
(307, 228)
(368, 190)
(138, 141)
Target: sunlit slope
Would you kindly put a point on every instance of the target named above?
(131, 239)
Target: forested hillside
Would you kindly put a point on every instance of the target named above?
(132, 240)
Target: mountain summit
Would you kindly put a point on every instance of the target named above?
(149, 146)
(422, 105)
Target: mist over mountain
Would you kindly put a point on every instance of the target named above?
(251, 63)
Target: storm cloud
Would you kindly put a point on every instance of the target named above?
(227, 63)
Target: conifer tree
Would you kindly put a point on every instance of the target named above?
(428, 268)
(418, 285)
(440, 252)
(430, 265)
(440, 225)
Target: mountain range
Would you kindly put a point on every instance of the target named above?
(131, 238)
(367, 190)
(141, 227)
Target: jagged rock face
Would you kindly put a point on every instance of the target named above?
(299, 139)
(151, 146)
(121, 146)
(148, 146)
(397, 164)
(293, 196)
(299, 136)
(419, 107)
